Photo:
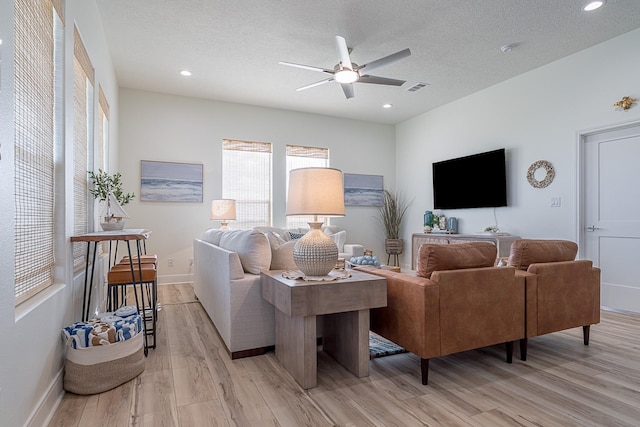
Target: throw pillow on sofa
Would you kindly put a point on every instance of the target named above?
(434, 257)
(252, 248)
(213, 235)
(339, 238)
(295, 236)
(281, 252)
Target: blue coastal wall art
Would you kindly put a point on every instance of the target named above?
(362, 190)
(170, 182)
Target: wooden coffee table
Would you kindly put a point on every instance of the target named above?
(344, 305)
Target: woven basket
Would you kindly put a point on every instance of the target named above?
(96, 369)
(393, 246)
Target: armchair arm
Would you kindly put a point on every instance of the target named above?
(411, 317)
(353, 249)
(568, 295)
(479, 307)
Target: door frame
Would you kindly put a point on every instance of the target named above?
(581, 171)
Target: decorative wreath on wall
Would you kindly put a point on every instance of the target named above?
(548, 178)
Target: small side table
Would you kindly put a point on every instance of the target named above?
(345, 305)
(127, 235)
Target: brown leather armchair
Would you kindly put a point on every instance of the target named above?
(561, 292)
(457, 301)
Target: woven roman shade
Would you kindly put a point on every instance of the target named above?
(304, 157)
(246, 178)
(82, 137)
(35, 117)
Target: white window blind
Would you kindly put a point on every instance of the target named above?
(37, 33)
(246, 177)
(82, 136)
(304, 157)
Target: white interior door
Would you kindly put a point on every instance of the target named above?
(611, 212)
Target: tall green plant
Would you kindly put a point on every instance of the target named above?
(103, 184)
(391, 213)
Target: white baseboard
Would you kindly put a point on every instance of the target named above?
(175, 278)
(48, 403)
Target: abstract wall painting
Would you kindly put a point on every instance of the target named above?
(362, 190)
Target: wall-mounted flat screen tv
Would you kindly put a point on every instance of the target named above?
(476, 181)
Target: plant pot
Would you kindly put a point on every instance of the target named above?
(393, 246)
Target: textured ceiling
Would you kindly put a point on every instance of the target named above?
(233, 47)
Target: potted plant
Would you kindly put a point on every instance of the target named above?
(107, 189)
(391, 214)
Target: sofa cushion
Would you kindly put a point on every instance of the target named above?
(213, 235)
(251, 246)
(339, 238)
(281, 252)
(266, 229)
(331, 229)
(525, 252)
(434, 257)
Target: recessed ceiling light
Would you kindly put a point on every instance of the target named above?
(593, 5)
(185, 73)
(508, 47)
(387, 105)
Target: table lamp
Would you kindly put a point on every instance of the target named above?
(317, 192)
(223, 210)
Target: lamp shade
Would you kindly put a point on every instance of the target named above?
(223, 209)
(315, 191)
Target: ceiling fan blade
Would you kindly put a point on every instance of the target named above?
(321, 82)
(347, 88)
(343, 52)
(306, 67)
(374, 65)
(380, 80)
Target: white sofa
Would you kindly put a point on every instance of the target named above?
(227, 265)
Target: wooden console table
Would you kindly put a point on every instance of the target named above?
(502, 241)
(345, 304)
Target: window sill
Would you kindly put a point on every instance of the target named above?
(35, 301)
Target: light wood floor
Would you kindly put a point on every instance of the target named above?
(190, 380)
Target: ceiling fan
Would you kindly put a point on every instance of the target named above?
(346, 72)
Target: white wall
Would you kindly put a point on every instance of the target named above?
(179, 129)
(535, 116)
(31, 349)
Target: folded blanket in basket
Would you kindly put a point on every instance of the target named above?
(102, 334)
(128, 327)
(103, 330)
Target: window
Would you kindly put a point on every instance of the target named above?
(304, 157)
(38, 38)
(103, 129)
(246, 177)
(82, 136)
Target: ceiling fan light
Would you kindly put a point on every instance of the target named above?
(346, 76)
(593, 5)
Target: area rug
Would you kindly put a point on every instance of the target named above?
(379, 346)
